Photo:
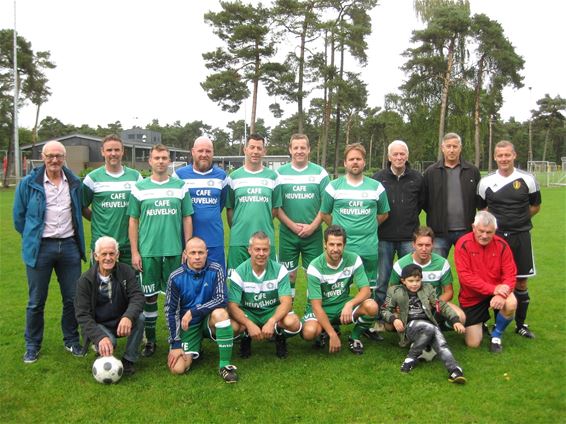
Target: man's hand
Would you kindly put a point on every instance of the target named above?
(398, 324)
(174, 356)
(334, 343)
(254, 331)
(105, 347)
(459, 328)
(306, 230)
(137, 262)
(346, 314)
(124, 327)
(268, 329)
(497, 302)
(502, 290)
(186, 320)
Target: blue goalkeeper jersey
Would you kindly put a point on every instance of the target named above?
(208, 193)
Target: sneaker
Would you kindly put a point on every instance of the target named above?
(356, 346)
(373, 334)
(321, 340)
(228, 374)
(457, 376)
(408, 365)
(495, 345)
(525, 332)
(149, 349)
(31, 356)
(76, 350)
(246, 347)
(485, 330)
(428, 354)
(128, 366)
(281, 346)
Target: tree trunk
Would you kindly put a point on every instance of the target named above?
(300, 112)
(370, 149)
(338, 112)
(327, 106)
(254, 93)
(444, 96)
(545, 143)
(477, 118)
(34, 131)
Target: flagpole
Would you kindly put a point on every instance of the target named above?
(17, 158)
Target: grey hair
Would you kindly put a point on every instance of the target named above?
(105, 239)
(51, 143)
(451, 136)
(486, 219)
(397, 143)
(260, 235)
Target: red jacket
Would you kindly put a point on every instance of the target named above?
(481, 268)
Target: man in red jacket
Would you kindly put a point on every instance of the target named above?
(487, 272)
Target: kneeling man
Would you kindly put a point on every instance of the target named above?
(329, 278)
(487, 272)
(195, 307)
(260, 299)
(109, 304)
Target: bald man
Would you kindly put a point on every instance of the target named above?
(207, 186)
(47, 213)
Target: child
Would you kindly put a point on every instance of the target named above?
(415, 321)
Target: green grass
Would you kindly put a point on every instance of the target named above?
(524, 384)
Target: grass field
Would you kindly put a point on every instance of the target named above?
(523, 384)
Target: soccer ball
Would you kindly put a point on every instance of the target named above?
(107, 370)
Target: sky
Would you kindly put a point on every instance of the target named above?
(134, 61)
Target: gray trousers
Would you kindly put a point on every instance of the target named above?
(423, 333)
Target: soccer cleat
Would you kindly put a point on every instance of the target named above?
(408, 365)
(372, 334)
(246, 347)
(149, 349)
(356, 346)
(128, 366)
(525, 332)
(495, 345)
(228, 374)
(321, 340)
(428, 354)
(281, 346)
(485, 330)
(457, 376)
(31, 356)
(76, 350)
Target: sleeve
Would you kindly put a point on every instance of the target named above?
(313, 284)
(360, 276)
(20, 207)
(230, 195)
(235, 288)
(136, 299)
(445, 310)
(323, 182)
(446, 277)
(88, 192)
(425, 191)
(173, 314)
(327, 200)
(84, 313)
(466, 273)
(388, 306)
(276, 199)
(218, 299)
(186, 203)
(134, 204)
(224, 193)
(382, 201)
(283, 284)
(395, 277)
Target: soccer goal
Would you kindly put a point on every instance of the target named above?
(547, 173)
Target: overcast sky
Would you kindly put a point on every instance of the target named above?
(132, 61)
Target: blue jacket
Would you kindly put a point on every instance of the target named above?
(29, 212)
(200, 292)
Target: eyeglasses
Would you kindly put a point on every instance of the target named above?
(52, 157)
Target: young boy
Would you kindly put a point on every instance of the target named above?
(416, 323)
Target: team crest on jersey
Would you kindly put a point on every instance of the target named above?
(169, 193)
(210, 183)
(127, 186)
(347, 272)
(431, 276)
(516, 184)
(311, 179)
(270, 285)
(365, 195)
(263, 182)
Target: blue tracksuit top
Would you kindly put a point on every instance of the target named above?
(200, 292)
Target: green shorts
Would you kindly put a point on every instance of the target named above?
(239, 254)
(191, 340)
(333, 312)
(259, 316)
(291, 246)
(370, 266)
(156, 271)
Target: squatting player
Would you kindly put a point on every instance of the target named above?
(329, 278)
(107, 191)
(259, 299)
(196, 308)
(160, 218)
(513, 197)
(302, 184)
(207, 185)
(253, 198)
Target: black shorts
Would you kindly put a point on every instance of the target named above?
(520, 244)
(478, 313)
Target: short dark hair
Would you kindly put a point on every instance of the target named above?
(411, 270)
(111, 137)
(336, 231)
(355, 146)
(299, 136)
(159, 148)
(423, 231)
(256, 136)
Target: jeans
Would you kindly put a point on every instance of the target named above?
(442, 245)
(386, 253)
(422, 333)
(63, 256)
(133, 341)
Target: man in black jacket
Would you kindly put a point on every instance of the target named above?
(109, 304)
(450, 187)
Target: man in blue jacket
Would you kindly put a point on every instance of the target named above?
(47, 213)
(195, 308)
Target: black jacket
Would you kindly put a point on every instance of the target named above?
(405, 196)
(435, 201)
(124, 285)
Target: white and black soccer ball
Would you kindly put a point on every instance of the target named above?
(107, 370)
